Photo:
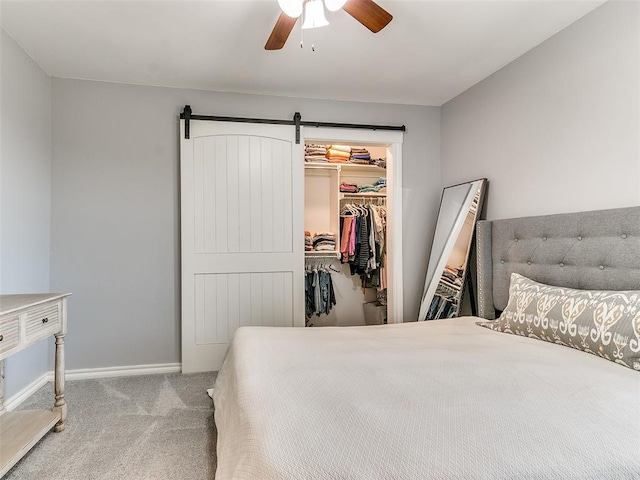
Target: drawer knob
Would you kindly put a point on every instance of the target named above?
(1, 337)
(45, 320)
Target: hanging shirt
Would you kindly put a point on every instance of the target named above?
(346, 237)
(352, 237)
(372, 264)
(362, 257)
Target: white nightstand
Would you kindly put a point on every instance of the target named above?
(25, 320)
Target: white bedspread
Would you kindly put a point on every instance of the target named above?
(433, 400)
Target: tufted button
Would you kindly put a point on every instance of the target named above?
(579, 238)
(601, 267)
(561, 264)
(515, 240)
(528, 263)
(624, 235)
(502, 261)
(544, 239)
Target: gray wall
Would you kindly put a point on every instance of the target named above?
(557, 130)
(25, 189)
(115, 206)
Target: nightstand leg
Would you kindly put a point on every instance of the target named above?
(60, 404)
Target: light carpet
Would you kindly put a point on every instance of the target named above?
(146, 427)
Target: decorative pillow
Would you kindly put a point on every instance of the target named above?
(604, 323)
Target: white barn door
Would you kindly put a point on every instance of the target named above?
(242, 234)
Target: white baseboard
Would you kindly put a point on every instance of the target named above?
(91, 373)
(126, 371)
(15, 400)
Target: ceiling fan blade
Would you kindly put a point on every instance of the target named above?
(368, 13)
(280, 32)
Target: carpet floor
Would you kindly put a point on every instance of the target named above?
(147, 427)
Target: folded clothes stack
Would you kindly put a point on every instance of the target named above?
(341, 148)
(380, 162)
(315, 153)
(348, 187)
(338, 154)
(360, 156)
(308, 242)
(324, 241)
(368, 189)
(381, 184)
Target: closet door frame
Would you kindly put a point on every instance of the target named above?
(394, 141)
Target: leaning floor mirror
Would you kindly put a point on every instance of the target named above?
(448, 270)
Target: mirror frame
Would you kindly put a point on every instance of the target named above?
(431, 284)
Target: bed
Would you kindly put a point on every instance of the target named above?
(446, 398)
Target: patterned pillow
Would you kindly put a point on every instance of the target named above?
(602, 323)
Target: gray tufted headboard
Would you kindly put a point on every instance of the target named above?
(597, 250)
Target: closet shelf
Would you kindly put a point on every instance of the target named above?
(361, 195)
(322, 253)
(322, 166)
(367, 168)
(349, 167)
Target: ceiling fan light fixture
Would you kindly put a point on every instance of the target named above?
(314, 14)
(334, 5)
(291, 8)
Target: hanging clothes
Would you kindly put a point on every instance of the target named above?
(319, 296)
(345, 235)
(363, 242)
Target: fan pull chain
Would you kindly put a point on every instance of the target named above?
(313, 46)
(301, 30)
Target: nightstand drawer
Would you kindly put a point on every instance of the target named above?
(9, 332)
(42, 320)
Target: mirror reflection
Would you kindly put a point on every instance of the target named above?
(448, 270)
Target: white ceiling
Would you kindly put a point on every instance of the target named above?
(428, 54)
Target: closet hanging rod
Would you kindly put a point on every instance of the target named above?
(187, 115)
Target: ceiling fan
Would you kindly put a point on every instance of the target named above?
(367, 12)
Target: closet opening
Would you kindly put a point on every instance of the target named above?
(353, 270)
